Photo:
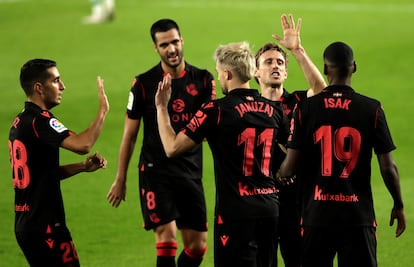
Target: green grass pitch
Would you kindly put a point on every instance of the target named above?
(380, 32)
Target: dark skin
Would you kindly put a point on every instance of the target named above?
(90, 164)
(389, 172)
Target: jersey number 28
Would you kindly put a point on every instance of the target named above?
(18, 157)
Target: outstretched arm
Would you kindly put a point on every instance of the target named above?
(391, 179)
(82, 143)
(291, 41)
(117, 192)
(90, 164)
(174, 144)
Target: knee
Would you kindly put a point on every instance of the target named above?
(166, 233)
(194, 240)
(195, 253)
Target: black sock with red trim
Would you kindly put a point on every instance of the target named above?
(191, 257)
(166, 252)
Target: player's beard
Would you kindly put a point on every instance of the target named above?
(274, 83)
(174, 63)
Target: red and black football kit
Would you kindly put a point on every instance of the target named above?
(290, 239)
(336, 132)
(40, 226)
(242, 130)
(170, 188)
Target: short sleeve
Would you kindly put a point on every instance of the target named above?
(203, 121)
(50, 130)
(136, 100)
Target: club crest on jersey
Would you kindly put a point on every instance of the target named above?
(57, 125)
(191, 89)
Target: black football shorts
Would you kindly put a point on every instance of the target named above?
(52, 248)
(164, 199)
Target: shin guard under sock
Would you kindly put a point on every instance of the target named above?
(166, 252)
(191, 257)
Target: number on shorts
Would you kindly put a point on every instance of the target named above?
(151, 204)
(69, 252)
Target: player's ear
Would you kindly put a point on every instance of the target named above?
(355, 68)
(228, 74)
(257, 73)
(325, 69)
(38, 88)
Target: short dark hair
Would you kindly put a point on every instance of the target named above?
(34, 70)
(267, 47)
(339, 54)
(163, 25)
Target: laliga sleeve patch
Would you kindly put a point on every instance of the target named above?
(57, 125)
(130, 101)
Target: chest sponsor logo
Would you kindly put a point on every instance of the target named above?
(178, 105)
(57, 125)
(180, 114)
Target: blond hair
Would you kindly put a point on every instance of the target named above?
(238, 58)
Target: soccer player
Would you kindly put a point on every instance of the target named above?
(171, 190)
(334, 134)
(271, 73)
(34, 141)
(102, 11)
(242, 130)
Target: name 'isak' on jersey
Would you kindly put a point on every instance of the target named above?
(331, 102)
(254, 106)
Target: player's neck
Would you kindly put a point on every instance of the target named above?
(339, 81)
(175, 72)
(39, 103)
(235, 84)
(272, 93)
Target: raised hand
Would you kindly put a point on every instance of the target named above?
(291, 33)
(163, 94)
(103, 99)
